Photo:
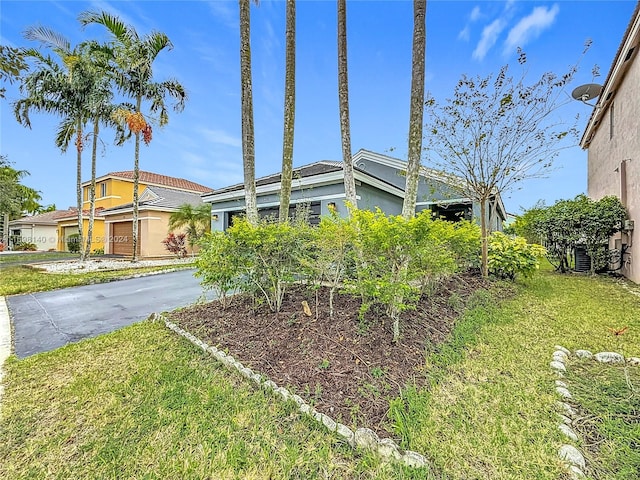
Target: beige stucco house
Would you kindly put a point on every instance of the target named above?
(40, 230)
(612, 140)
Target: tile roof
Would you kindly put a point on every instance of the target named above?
(46, 218)
(151, 178)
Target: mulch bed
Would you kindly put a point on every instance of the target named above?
(346, 368)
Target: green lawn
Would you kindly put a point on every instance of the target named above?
(24, 279)
(143, 403)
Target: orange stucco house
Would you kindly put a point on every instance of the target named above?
(158, 197)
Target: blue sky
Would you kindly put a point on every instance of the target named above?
(203, 143)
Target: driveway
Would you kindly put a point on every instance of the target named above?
(47, 320)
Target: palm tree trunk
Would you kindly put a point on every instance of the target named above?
(79, 184)
(416, 109)
(248, 141)
(289, 112)
(136, 182)
(92, 188)
(343, 97)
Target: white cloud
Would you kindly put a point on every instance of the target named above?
(475, 14)
(221, 137)
(530, 27)
(224, 12)
(464, 33)
(489, 37)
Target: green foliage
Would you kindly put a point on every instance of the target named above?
(196, 219)
(73, 243)
(524, 225)
(219, 266)
(581, 221)
(25, 247)
(511, 256)
(98, 251)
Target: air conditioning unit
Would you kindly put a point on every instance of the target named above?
(628, 225)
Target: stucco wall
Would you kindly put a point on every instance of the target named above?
(45, 237)
(606, 154)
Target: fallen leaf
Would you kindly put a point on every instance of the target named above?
(305, 307)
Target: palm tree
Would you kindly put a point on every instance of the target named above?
(132, 63)
(417, 108)
(60, 89)
(289, 111)
(196, 219)
(343, 97)
(248, 138)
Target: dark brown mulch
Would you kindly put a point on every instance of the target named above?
(347, 368)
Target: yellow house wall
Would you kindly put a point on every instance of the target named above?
(119, 192)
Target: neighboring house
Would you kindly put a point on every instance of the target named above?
(612, 140)
(41, 230)
(380, 182)
(158, 196)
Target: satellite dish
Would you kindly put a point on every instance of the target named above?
(587, 92)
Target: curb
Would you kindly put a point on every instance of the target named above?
(363, 438)
(571, 456)
(5, 340)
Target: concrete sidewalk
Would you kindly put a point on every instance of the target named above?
(5, 340)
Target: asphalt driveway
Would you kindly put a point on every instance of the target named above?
(47, 320)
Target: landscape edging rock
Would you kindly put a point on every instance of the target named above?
(363, 438)
(572, 457)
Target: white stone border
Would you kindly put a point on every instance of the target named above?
(569, 454)
(363, 438)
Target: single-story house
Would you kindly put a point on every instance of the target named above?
(612, 141)
(40, 230)
(380, 182)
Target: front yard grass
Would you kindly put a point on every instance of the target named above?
(24, 279)
(144, 403)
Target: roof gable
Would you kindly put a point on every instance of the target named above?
(150, 178)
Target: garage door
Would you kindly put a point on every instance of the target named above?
(122, 239)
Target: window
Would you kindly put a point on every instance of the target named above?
(611, 120)
(103, 189)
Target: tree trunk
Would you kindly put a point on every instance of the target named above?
(79, 185)
(343, 98)
(416, 108)
(289, 112)
(92, 188)
(248, 141)
(485, 238)
(136, 183)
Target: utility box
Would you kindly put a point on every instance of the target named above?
(628, 225)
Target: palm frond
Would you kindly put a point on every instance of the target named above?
(154, 43)
(120, 30)
(49, 38)
(65, 133)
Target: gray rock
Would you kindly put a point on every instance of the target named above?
(568, 409)
(560, 353)
(563, 392)
(283, 392)
(346, 432)
(414, 459)
(633, 361)
(609, 357)
(558, 358)
(562, 349)
(270, 385)
(304, 408)
(568, 431)
(572, 455)
(257, 378)
(566, 420)
(558, 366)
(561, 384)
(388, 449)
(583, 354)
(246, 372)
(327, 421)
(366, 438)
(298, 399)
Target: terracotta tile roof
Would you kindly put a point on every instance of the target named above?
(72, 213)
(162, 180)
(43, 218)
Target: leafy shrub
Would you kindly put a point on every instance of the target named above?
(176, 244)
(219, 266)
(98, 251)
(73, 243)
(511, 256)
(1, 247)
(26, 247)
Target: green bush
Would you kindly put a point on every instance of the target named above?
(26, 247)
(73, 243)
(511, 256)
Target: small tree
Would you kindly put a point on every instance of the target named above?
(196, 219)
(497, 131)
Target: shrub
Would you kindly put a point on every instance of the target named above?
(218, 265)
(176, 244)
(511, 256)
(1, 247)
(98, 251)
(73, 243)
(26, 247)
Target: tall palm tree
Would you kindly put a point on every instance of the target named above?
(132, 63)
(416, 109)
(61, 88)
(289, 111)
(196, 219)
(248, 137)
(343, 98)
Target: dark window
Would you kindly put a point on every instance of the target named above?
(103, 189)
(313, 213)
(452, 212)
